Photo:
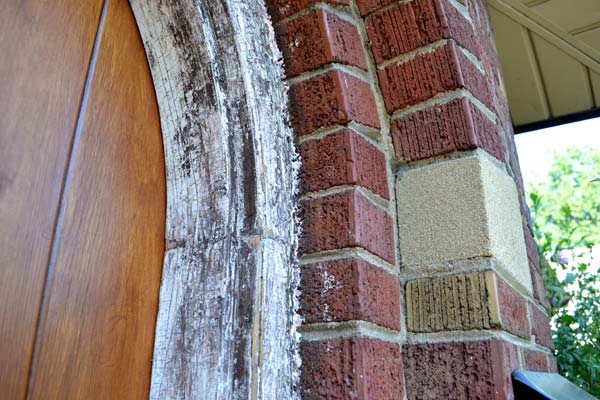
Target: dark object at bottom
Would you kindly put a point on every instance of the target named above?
(544, 386)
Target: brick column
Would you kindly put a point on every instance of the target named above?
(419, 276)
(350, 289)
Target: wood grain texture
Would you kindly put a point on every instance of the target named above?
(97, 328)
(45, 51)
(225, 326)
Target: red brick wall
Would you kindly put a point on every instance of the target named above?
(375, 84)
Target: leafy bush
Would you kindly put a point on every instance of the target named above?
(566, 210)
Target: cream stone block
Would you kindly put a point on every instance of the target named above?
(460, 209)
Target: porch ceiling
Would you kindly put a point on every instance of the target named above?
(550, 56)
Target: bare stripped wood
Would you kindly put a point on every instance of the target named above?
(45, 49)
(97, 330)
(225, 323)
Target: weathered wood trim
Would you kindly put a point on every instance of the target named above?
(225, 327)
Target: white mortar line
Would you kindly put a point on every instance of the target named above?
(449, 268)
(437, 100)
(366, 132)
(389, 7)
(339, 11)
(455, 155)
(473, 336)
(365, 329)
(357, 253)
(462, 9)
(411, 55)
(521, 358)
(374, 198)
(482, 107)
(473, 58)
(348, 329)
(348, 69)
(407, 166)
(320, 133)
(444, 98)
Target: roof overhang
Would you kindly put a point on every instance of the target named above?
(550, 56)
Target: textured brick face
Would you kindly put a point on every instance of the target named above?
(408, 26)
(552, 366)
(349, 290)
(530, 245)
(329, 99)
(539, 290)
(541, 327)
(382, 370)
(513, 310)
(367, 6)
(319, 38)
(456, 125)
(487, 134)
(535, 360)
(342, 158)
(346, 219)
(351, 369)
(459, 371)
(404, 28)
(442, 70)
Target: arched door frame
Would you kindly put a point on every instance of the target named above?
(225, 327)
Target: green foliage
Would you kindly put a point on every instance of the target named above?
(566, 210)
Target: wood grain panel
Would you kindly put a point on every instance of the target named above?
(570, 15)
(45, 49)
(524, 87)
(595, 79)
(565, 79)
(97, 329)
(591, 37)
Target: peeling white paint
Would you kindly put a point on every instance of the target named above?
(226, 326)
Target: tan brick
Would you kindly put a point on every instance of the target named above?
(477, 300)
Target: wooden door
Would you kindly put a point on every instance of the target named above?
(82, 202)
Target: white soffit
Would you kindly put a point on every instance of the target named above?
(550, 56)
